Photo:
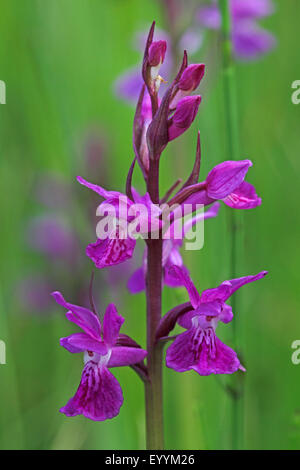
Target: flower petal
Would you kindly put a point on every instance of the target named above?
(227, 288)
(209, 17)
(226, 314)
(243, 197)
(81, 316)
(180, 355)
(110, 251)
(170, 279)
(237, 283)
(208, 309)
(98, 397)
(250, 41)
(224, 178)
(98, 189)
(126, 356)
(136, 282)
(224, 360)
(112, 323)
(129, 84)
(79, 342)
(186, 281)
(251, 8)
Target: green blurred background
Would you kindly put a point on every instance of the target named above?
(59, 59)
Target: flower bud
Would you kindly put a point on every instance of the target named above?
(191, 77)
(157, 52)
(184, 115)
(223, 179)
(189, 81)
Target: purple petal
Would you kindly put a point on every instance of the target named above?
(220, 293)
(251, 9)
(250, 41)
(180, 355)
(81, 316)
(112, 323)
(237, 283)
(98, 397)
(224, 178)
(223, 361)
(226, 314)
(79, 342)
(208, 309)
(109, 252)
(243, 197)
(171, 279)
(51, 236)
(209, 17)
(126, 356)
(191, 40)
(99, 190)
(129, 84)
(202, 351)
(186, 281)
(186, 111)
(227, 288)
(136, 282)
(209, 214)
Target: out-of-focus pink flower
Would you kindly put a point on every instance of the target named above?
(50, 236)
(250, 41)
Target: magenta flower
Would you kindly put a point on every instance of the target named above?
(117, 247)
(171, 254)
(99, 395)
(199, 348)
(225, 182)
(249, 40)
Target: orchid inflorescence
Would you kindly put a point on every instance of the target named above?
(158, 121)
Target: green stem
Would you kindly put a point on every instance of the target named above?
(231, 115)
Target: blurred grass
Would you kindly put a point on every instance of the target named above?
(59, 60)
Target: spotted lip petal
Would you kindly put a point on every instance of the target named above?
(110, 252)
(98, 397)
(202, 351)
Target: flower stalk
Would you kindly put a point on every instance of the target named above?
(232, 133)
(153, 387)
